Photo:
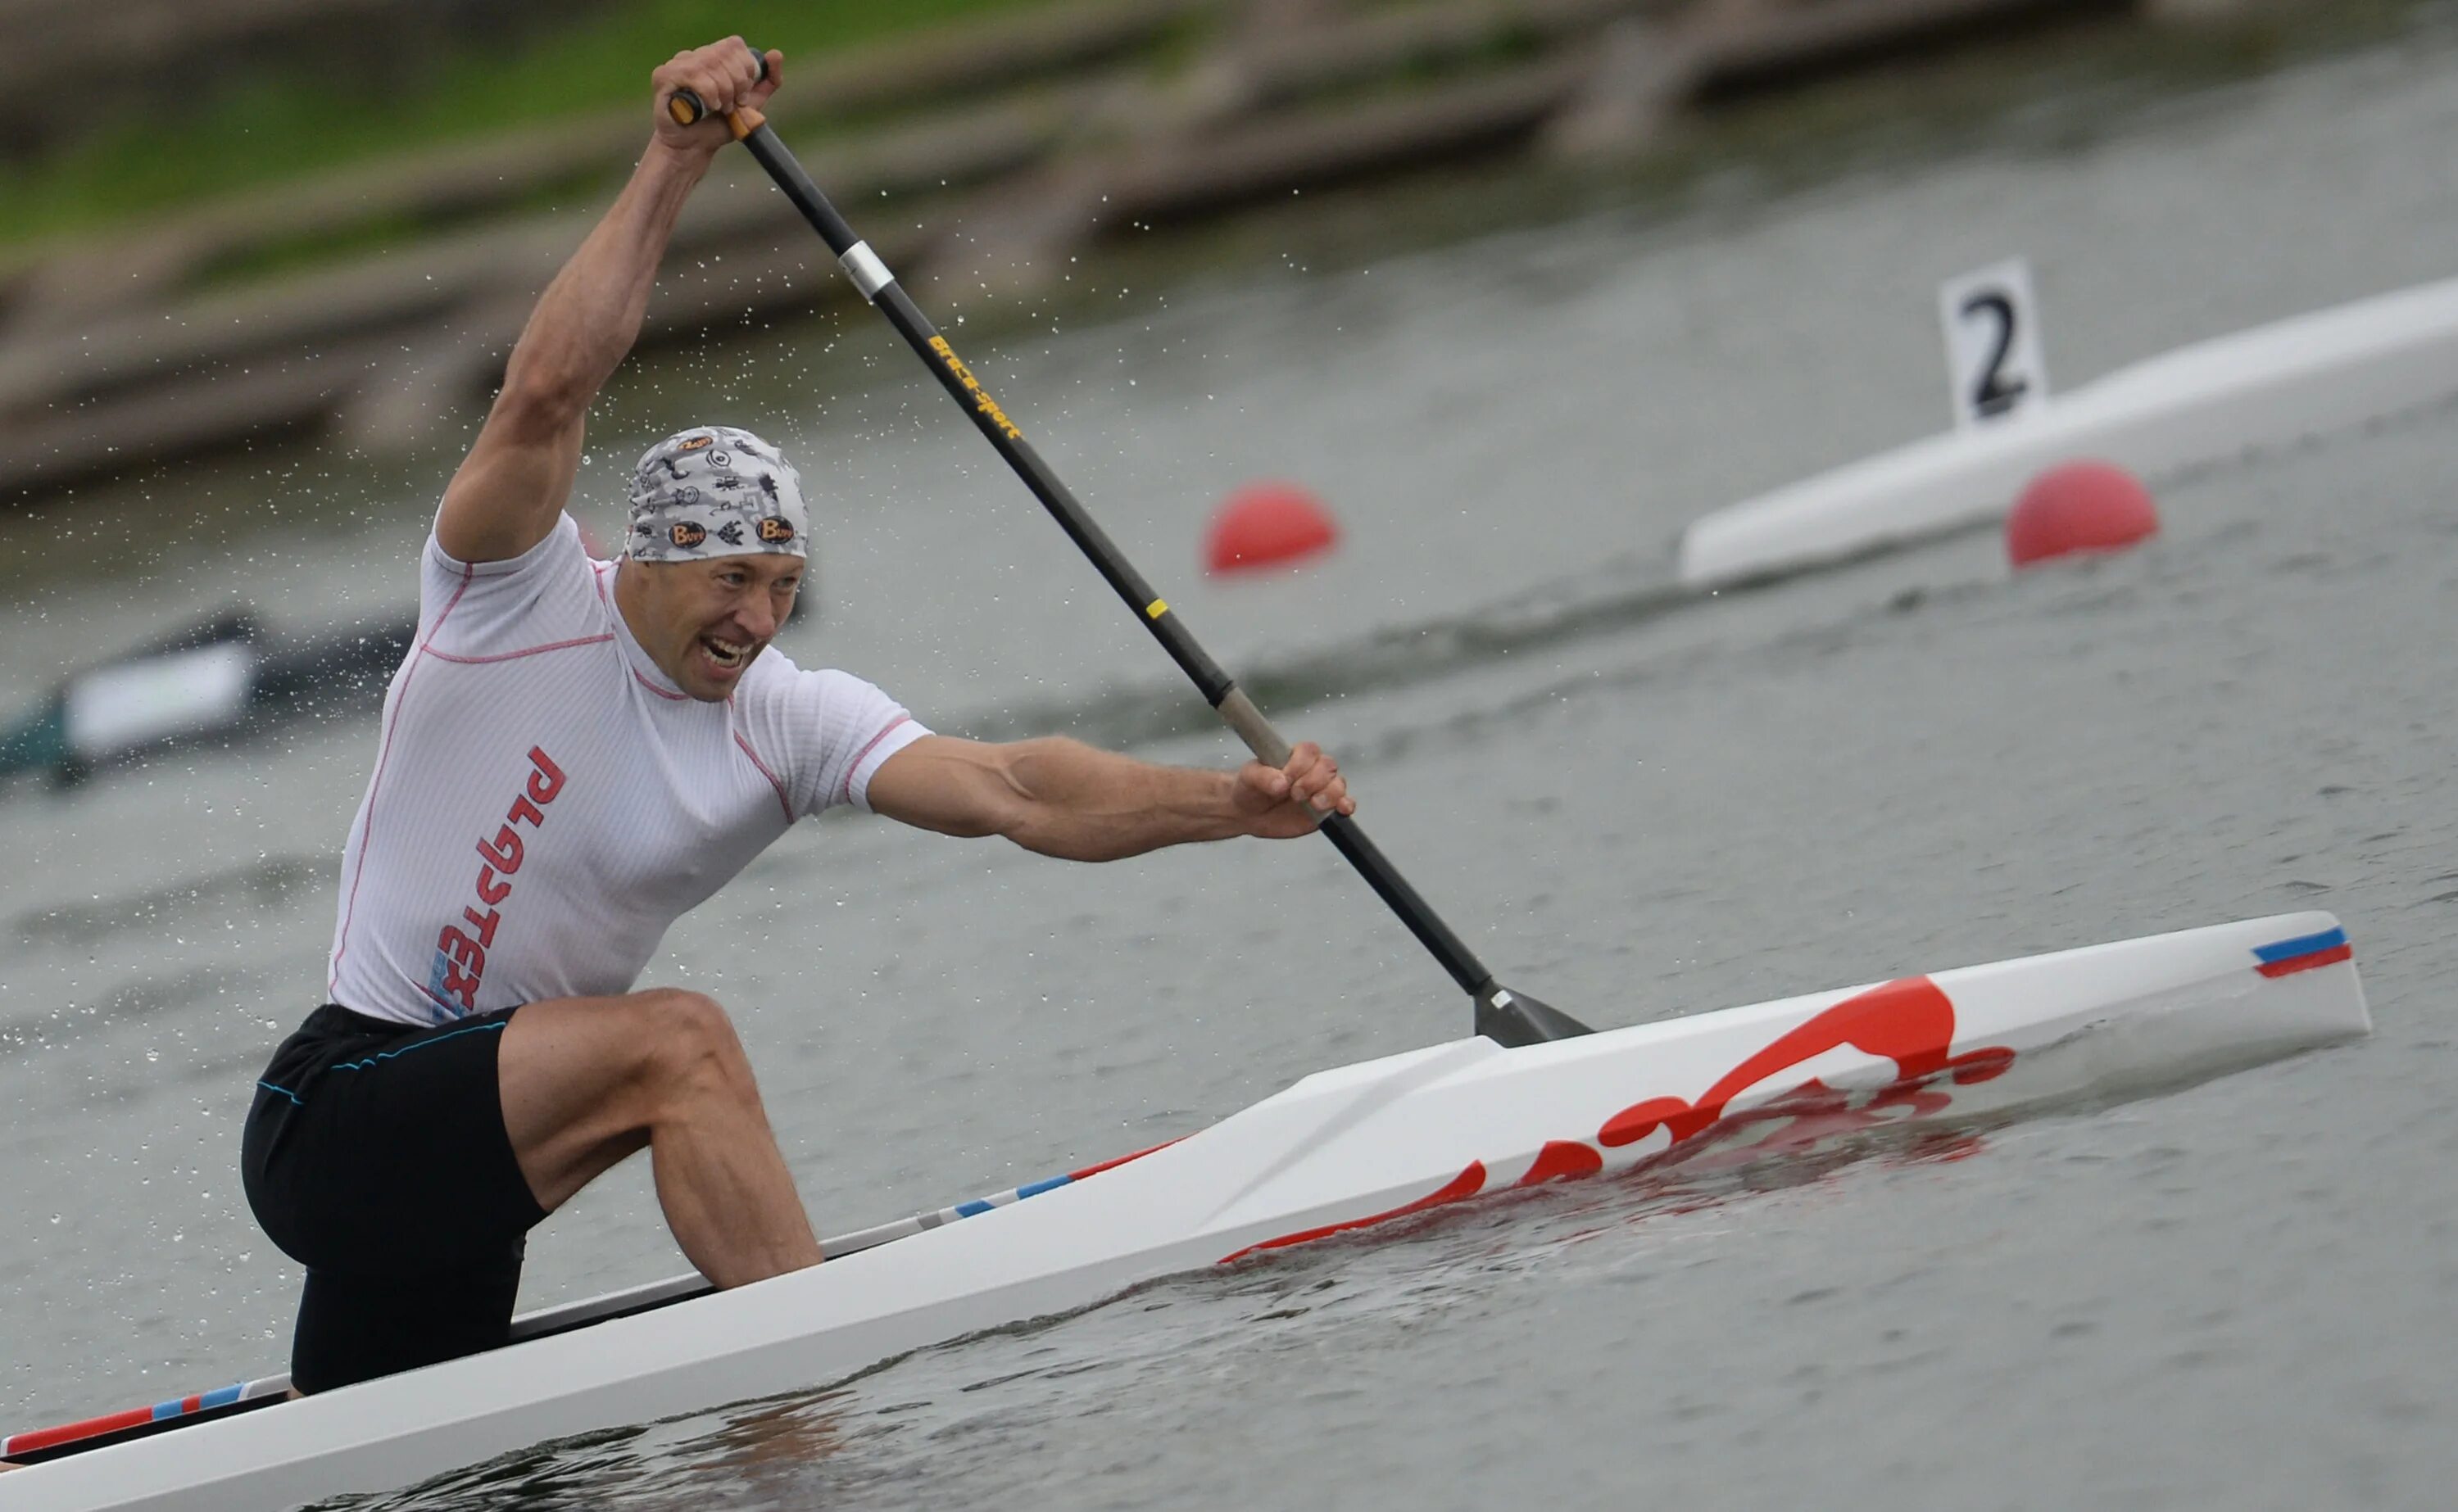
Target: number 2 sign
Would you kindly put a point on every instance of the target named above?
(1993, 343)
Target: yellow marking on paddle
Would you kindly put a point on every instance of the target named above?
(982, 403)
(1157, 608)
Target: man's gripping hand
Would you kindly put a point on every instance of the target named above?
(725, 75)
(1280, 803)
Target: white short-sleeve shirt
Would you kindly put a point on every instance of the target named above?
(546, 803)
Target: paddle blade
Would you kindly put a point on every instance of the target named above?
(1511, 1019)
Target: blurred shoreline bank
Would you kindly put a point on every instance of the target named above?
(371, 306)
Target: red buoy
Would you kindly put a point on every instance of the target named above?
(2076, 508)
(1267, 524)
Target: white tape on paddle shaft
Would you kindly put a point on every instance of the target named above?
(1992, 344)
(870, 275)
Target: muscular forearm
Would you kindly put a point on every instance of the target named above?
(1081, 804)
(591, 313)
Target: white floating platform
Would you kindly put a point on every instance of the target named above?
(2209, 402)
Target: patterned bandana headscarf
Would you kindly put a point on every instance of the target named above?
(713, 491)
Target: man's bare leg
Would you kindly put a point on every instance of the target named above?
(587, 1081)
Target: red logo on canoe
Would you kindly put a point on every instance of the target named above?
(1910, 1022)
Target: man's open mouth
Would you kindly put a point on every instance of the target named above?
(726, 653)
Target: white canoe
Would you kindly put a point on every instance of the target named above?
(2209, 402)
(1341, 1149)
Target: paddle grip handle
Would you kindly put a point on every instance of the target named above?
(1239, 714)
(686, 109)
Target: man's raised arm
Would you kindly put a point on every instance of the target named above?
(518, 475)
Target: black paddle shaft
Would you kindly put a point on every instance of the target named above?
(1500, 1015)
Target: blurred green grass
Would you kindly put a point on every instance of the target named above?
(232, 135)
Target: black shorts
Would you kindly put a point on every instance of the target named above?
(376, 1156)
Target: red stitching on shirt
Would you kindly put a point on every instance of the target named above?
(644, 682)
(514, 655)
(782, 801)
(856, 765)
(367, 831)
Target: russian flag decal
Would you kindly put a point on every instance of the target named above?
(2302, 953)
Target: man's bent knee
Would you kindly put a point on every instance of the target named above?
(689, 1044)
(587, 1081)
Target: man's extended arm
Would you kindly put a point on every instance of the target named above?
(509, 491)
(1065, 799)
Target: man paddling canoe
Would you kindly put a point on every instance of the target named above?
(573, 755)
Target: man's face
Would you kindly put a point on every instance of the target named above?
(703, 622)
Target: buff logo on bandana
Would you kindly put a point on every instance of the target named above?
(714, 491)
